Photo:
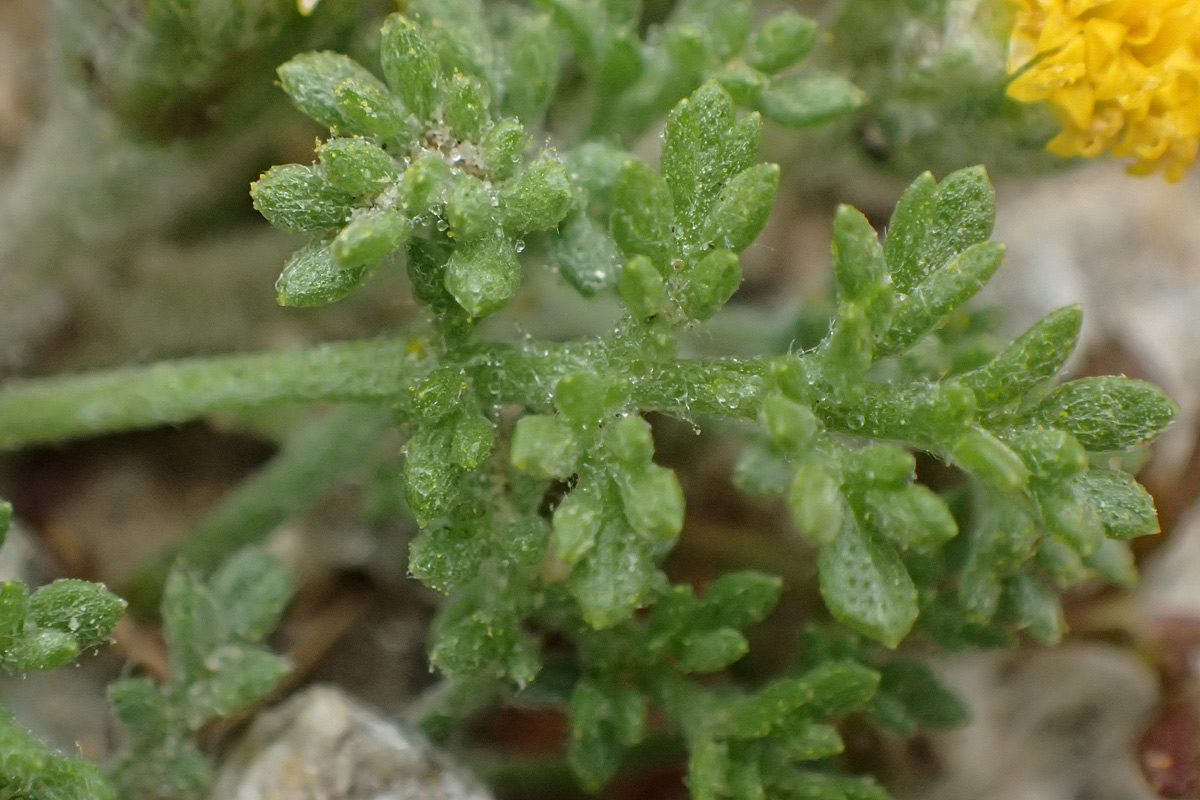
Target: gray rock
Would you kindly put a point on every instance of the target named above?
(322, 745)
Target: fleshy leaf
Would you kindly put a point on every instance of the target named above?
(866, 586)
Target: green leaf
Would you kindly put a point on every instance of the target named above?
(1069, 515)
(989, 460)
(357, 166)
(502, 148)
(1125, 509)
(584, 398)
(252, 589)
(858, 261)
(544, 446)
(594, 753)
(445, 556)
(808, 741)
(743, 83)
(712, 650)
(1114, 560)
(479, 636)
(369, 109)
(142, 708)
(312, 81)
(738, 599)
(466, 108)
(470, 209)
(653, 501)
(1034, 358)
(458, 32)
(1108, 412)
(430, 475)
(39, 649)
(584, 254)
(911, 517)
(780, 42)
(614, 578)
(594, 166)
(1061, 562)
(866, 586)
(14, 606)
(1050, 453)
(832, 689)
(193, 624)
(932, 300)
(483, 275)
(369, 237)
(822, 786)
(925, 700)
(312, 277)
(792, 426)
(577, 521)
(410, 66)
(816, 502)
(710, 283)
(533, 59)
(295, 198)
(30, 770)
(879, 466)
(474, 440)
(425, 183)
(933, 223)
(1002, 540)
(708, 769)
(630, 441)
(801, 101)
(703, 145)
(642, 289)
(740, 212)
(909, 232)
(962, 217)
(1035, 608)
(642, 212)
(539, 198)
(86, 611)
(241, 676)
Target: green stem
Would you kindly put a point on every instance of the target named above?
(312, 460)
(40, 411)
(47, 410)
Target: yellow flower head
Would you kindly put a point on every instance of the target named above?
(1123, 74)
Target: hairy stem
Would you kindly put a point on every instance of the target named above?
(53, 409)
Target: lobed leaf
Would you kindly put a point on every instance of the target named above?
(942, 291)
(1034, 358)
